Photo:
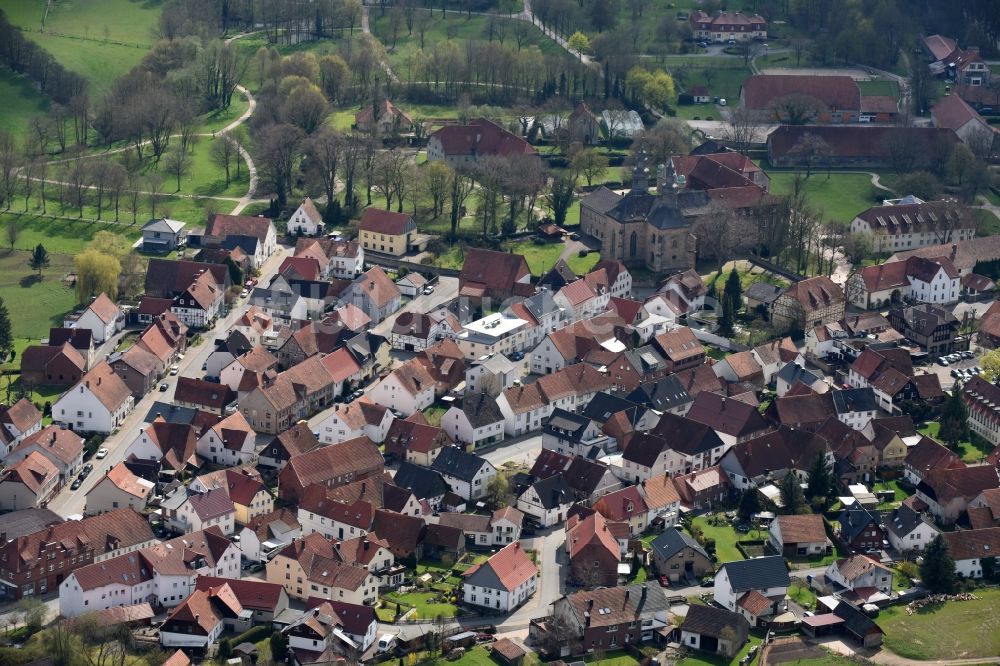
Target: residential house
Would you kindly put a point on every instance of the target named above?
(250, 369)
(861, 529)
(594, 555)
(230, 442)
(968, 548)
(920, 279)
(678, 556)
(67, 546)
(187, 511)
(858, 573)
(375, 293)
(680, 349)
(305, 221)
(166, 278)
(799, 536)
(964, 66)
(926, 456)
(102, 317)
(331, 630)
(268, 533)
(808, 303)
(259, 228)
(505, 581)
(931, 327)
(17, 421)
(947, 492)
(466, 474)
(139, 368)
(51, 365)
(203, 395)
(162, 236)
(416, 332)
(311, 567)
(354, 419)
(767, 458)
(474, 421)
(386, 232)
(383, 119)
(714, 630)
(408, 389)
(733, 419)
(424, 483)
(62, 448)
(464, 144)
(910, 223)
(199, 620)
(28, 484)
(172, 445)
(982, 399)
(200, 303)
(333, 466)
(495, 334)
(627, 505)
(297, 439)
(952, 112)
(494, 275)
(341, 259)
(724, 26)
(415, 441)
(266, 601)
(245, 488)
(573, 434)
(889, 373)
(610, 618)
(547, 501)
(98, 403)
(292, 395)
(909, 530)
(119, 488)
(739, 584)
(703, 489)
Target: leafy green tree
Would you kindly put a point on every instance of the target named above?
(726, 321)
(6, 336)
(578, 42)
(225, 650)
(954, 419)
(749, 503)
(792, 495)
(734, 289)
(39, 259)
(937, 569)
(820, 482)
(560, 197)
(279, 647)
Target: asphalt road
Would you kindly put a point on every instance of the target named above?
(72, 502)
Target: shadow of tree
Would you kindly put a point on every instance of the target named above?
(30, 280)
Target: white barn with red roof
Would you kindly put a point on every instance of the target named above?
(503, 582)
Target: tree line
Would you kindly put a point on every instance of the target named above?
(24, 56)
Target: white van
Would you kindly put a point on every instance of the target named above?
(386, 643)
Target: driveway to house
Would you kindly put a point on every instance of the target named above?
(446, 289)
(72, 502)
(522, 450)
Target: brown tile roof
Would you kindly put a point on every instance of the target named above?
(33, 472)
(55, 442)
(817, 292)
(377, 286)
(106, 386)
(806, 528)
(176, 441)
(123, 479)
(508, 649)
(298, 439)
(943, 485)
(497, 271)
(341, 364)
(238, 225)
(940, 46)
(660, 492)
(252, 594)
(927, 455)
(22, 415)
(855, 566)
(340, 459)
(481, 137)
(726, 415)
(304, 268)
(744, 365)
(142, 360)
(387, 110)
(862, 141)
(573, 380)
(104, 308)
(358, 514)
(621, 505)
(202, 392)
(402, 533)
(679, 344)
(178, 658)
(379, 221)
(511, 565)
(953, 113)
(803, 410)
(577, 292)
(840, 93)
(197, 610)
(592, 530)
(969, 544)
(260, 525)
(754, 603)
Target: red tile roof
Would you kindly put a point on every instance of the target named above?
(238, 225)
(840, 93)
(379, 221)
(481, 137)
(511, 565)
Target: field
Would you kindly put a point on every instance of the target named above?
(721, 75)
(953, 630)
(457, 27)
(35, 305)
(126, 21)
(885, 87)
(426, 610)
(841, 196)
(20, 102)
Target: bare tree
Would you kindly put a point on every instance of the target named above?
(223, 152)
(75, 180)
(154, 188)
(462, 185)
(97, 178)
(325, 150)
(12, 232)
(116, 180)
(810, 151)
(742, 129)
(178, 163)
(10, 162)
(386, 171)
(279, 153)
(795, 109)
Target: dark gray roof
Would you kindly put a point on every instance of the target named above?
(661, 394)
(757, 573)
(27, 521)
(602, 199)
(553, 491)
(673, 540)
(712, 621)
(854, 520)
(793, 372)
(687, 436)
(763, 292)
(903, 520)
(540, 304)
(603, 405)
(558, 277)
(453, 461)
(481, 409)
(171, 413)
(854, 400)
(566, 425)
(856, 622)
(661, 211)
(646, 359)
(422, 482)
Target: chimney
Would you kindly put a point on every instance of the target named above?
(590, 603)
(586, 618)
(364, 485)
(644, 591)
(626, 594)
(723, 402)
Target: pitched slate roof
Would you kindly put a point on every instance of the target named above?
(757, 573)
(714, 622)
(726, 415)
(673, 540)
(807, 528)
(422, 482)
(453, 461)
(553, 492)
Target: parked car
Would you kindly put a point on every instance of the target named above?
(76, 484)
(174, 369)
(664, 581)
(102, 453)
(244, 293)
(428, 290)
(163, 387)
(708, 582)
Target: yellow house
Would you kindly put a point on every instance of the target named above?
(892, 449)
(386, 232)
(246, 489)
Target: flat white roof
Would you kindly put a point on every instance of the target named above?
(493, 326)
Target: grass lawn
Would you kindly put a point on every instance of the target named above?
(433, 414)
(640, 576)
(725, 539)
(57, 235)
(426, 610)
(540, 256)
(128, 21)
(35, 305)
(969, 451)
(953, 630)
(722, 76)
(899, 493)
(885, 87)
(477, 656)
(20, 102)
(841, 196)
(583, 265)
(802, 594)
(101, 63)
(616, 658)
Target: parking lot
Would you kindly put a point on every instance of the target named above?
(954, 367)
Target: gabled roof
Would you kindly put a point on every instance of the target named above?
(453, 461)
(714, 622)
(969, 544)
(835, 92)
(481, 409)
(553, 492)
(951, 112)
(54, 443)
(22, 415)
(672, 540)
(511, 567)
(239, 225)
(33, 472)
(496, 271)
(679, 344)
(854, 519)
(622, 505)
(421, 481)
(726, 415)
(379, 221)
(757, 573)
(807, 528)
(481, 137)
(106, 386)
(592, 530)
